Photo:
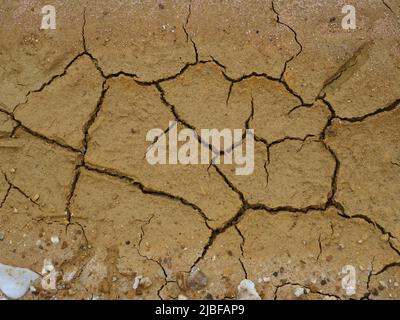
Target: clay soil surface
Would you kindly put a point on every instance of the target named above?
(76, 189)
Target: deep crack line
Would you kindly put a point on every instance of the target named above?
(50, 81)
(268, 77)
(387, 6)
(13, 186)
(392, 106)
(278, 20)
(112, 173)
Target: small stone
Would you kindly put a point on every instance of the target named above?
(55, 239)
(396, 284)
(12, 170)
(136, 282)
(36, 197)
(196, 279)
(2, 236)
(299, 292)
(15, 210)
(182, 297)
(360, 241)
(247, 291)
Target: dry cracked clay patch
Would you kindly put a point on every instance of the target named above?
(83, 215)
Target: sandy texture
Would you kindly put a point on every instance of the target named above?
(76, 189)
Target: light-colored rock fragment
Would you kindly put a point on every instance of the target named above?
(15, 282)
(247, 291)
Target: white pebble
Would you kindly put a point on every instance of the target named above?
(247, 291)
(299, 292)
(55, 239)
(136, 282)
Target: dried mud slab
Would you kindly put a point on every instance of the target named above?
(292, 173)
(116, 141)
(61, 110)
(157, 47)
(374, 75)
(245, 39)
(41, 170)
(141, 226)
(31, 57)
(310, 250)
(200, 97)
(368, 181)
(276, 113)
(330, 53)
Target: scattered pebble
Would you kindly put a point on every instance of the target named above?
(196, 279)
(182, 297)
(298, 292)
(55, 239)
(140, 281)
(2, 236)
(12, 170)
(247, 291)
(36, 197)
(136, 282)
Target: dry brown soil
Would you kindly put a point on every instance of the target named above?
(76, 104)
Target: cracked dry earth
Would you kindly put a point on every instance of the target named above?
(76, 104)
